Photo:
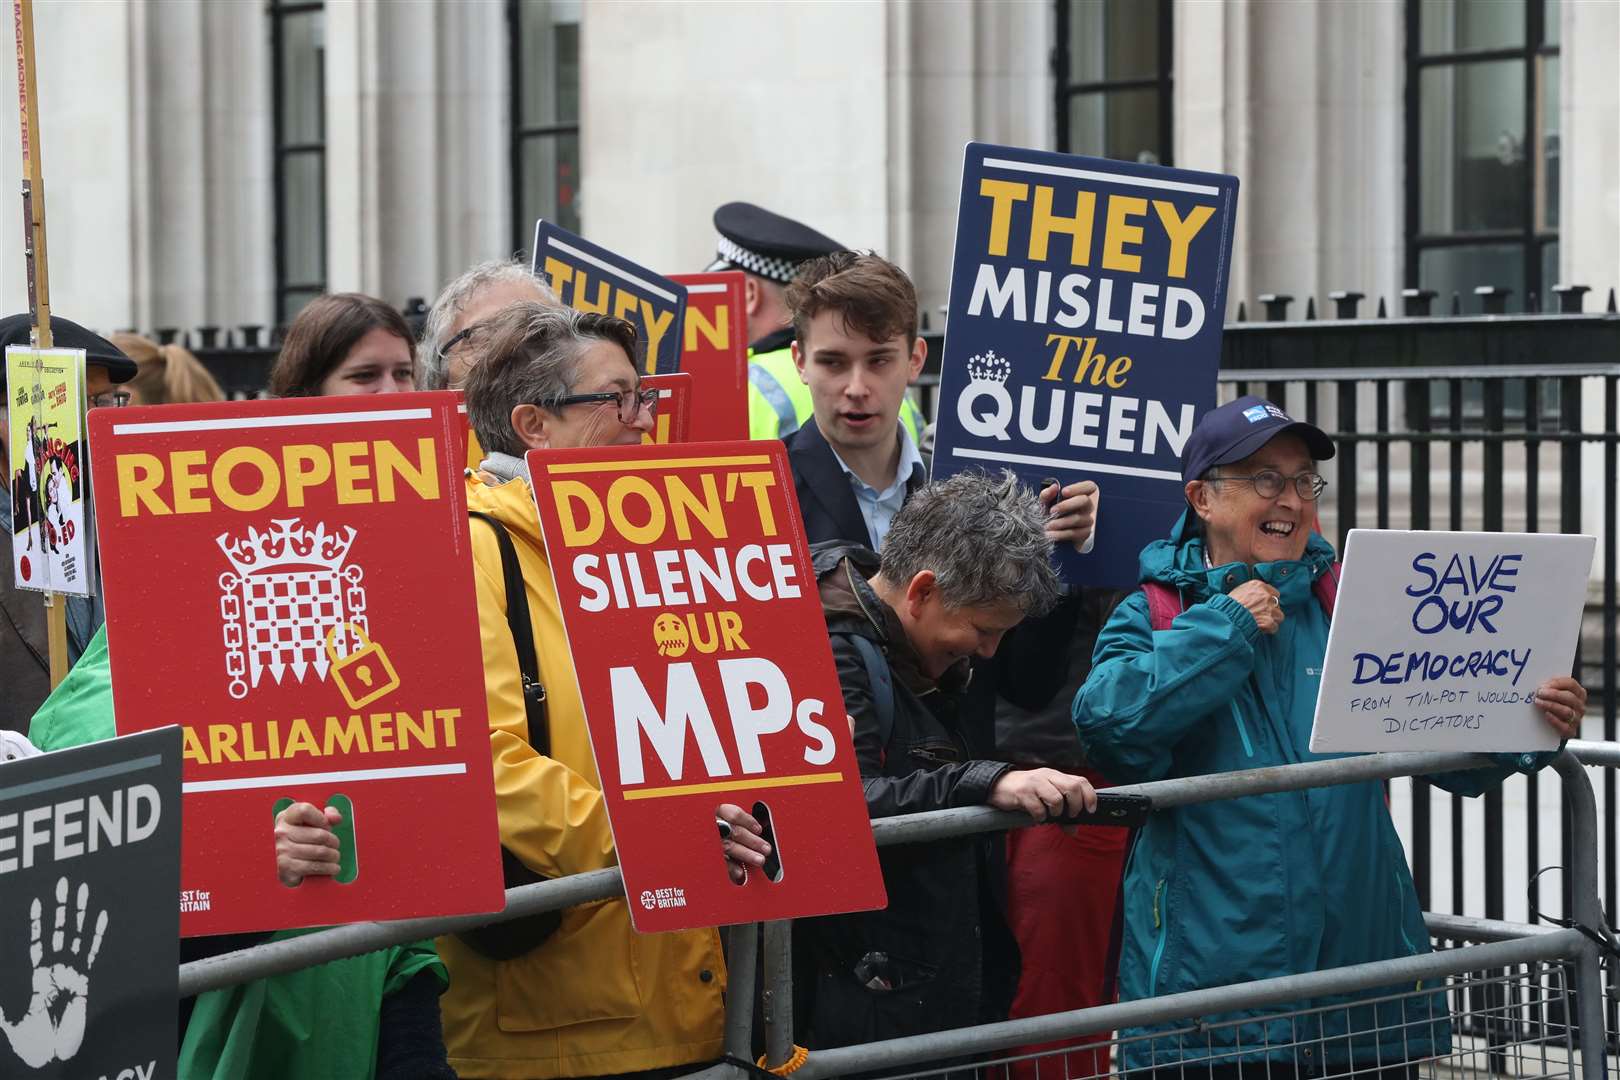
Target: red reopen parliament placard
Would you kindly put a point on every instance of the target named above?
(715, 353)
(703, 664)
(291, 581)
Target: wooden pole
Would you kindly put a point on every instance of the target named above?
(39, 283)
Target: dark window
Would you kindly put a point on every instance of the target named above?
(1112, 72)
(298, 128)
(545, 115)
(1482, 147)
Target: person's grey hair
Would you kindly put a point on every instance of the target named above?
(433, 371)
(984, 537)
(529, 353)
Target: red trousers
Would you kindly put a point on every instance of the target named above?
(1061, 895)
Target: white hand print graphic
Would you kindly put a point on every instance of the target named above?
(52, 1028)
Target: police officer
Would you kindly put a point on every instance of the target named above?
(768, 248)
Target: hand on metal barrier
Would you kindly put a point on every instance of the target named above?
(1044, 793)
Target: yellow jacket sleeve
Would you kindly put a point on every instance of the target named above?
(551, 817)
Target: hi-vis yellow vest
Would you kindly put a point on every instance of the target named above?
(779, 402)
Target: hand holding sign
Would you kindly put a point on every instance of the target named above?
(1454, 641)
(1563, 702)
(1072, 518)
(742, 841)
(305, 842)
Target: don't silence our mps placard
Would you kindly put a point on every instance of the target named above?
(1084, 333)
(703, 664)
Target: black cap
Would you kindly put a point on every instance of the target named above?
(1237, 429)
(769, 245)
(65, 334)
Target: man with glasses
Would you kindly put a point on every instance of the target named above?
(25, 670)
(444, 355)
(1214, 667)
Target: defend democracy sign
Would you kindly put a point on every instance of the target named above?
(1440, 639)
(715, 353)
(291, 581)
(587, 277)
(1084, 333)
(89, 875)
(719, 686)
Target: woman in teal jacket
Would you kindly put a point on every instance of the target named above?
(1268, 885)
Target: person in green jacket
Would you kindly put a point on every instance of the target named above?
(1267, 885)
(374, 1015)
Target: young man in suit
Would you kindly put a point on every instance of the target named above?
(855, 463)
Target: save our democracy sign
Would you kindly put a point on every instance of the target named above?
(1083, 333)
(89, 871)
(291, 581)
(588, 277)
(1439, 639)
(720, 686)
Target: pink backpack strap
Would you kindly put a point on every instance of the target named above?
(1164, 604)
(1326, 589)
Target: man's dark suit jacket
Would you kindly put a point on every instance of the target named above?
(825, 497)
(1032, 664)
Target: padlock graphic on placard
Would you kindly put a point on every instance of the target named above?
(366, 674)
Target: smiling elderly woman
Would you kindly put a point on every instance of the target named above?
(1220, 673)
(591, 997)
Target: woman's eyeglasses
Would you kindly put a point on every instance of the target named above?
(629, 402)
(1269, 483)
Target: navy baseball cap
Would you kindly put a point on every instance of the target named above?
(1237, 429)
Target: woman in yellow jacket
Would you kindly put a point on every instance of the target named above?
(596, 998)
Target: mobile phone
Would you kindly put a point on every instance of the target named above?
(773, 862)
(1128, 811)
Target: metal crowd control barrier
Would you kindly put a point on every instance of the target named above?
(1528, 1000)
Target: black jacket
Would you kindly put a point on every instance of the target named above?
(1034, 662)
(940, 955)
(825, 498)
